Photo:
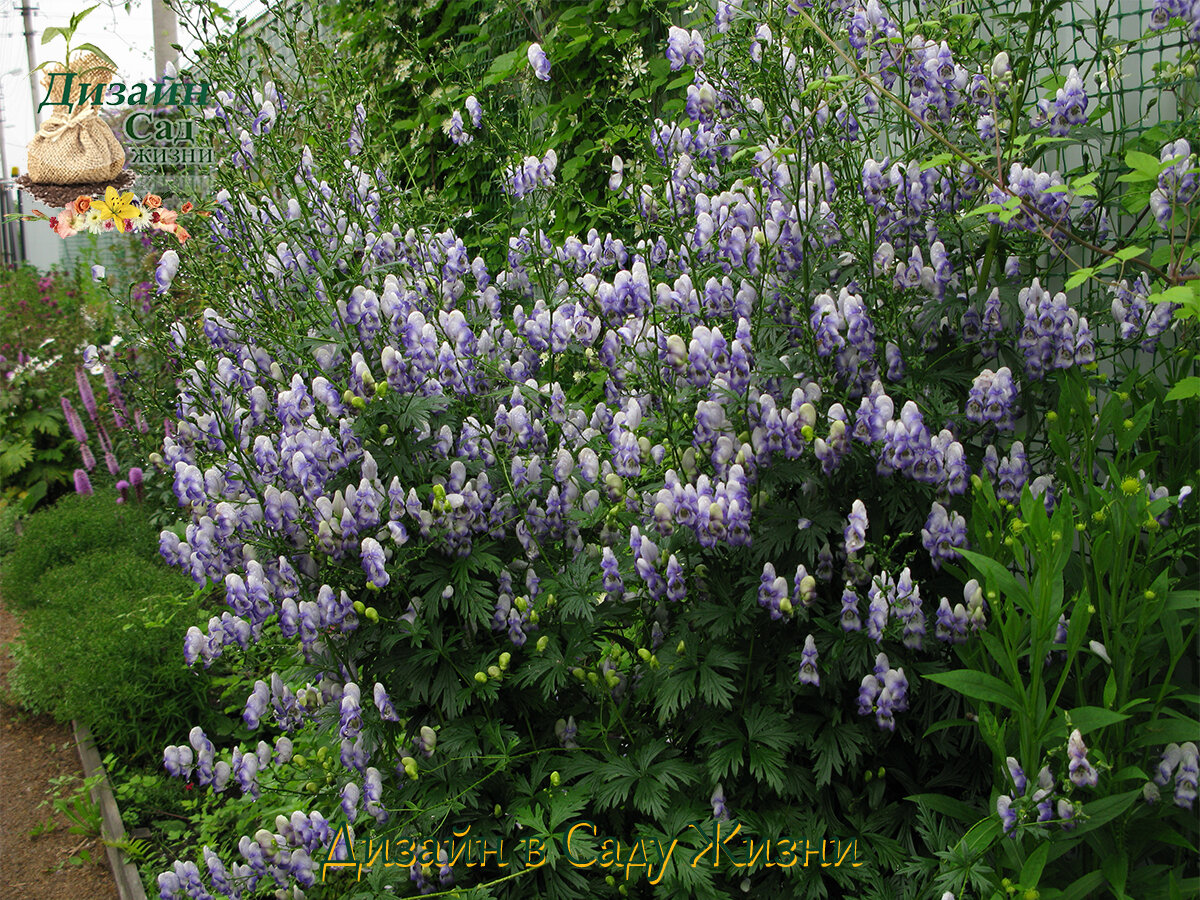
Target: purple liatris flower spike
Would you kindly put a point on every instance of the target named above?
(539, 62)
(137, 481)
(74, 423)
(85, 454)
(85, 392)
(114, 397)
(373, 562)
(83, 484)
(808, 663)
(1082, 772)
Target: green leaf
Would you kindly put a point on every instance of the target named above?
(15, 456)
(1185, 388)
(996, 574)
(1127, 253)
(100, 53)
(49, 34)
(1110, 689)
(978, 686)
(1143, 162)
(1089, 718)
(956, 809)
(80, 16)
(1078, 277)
(1083, 887)
(983, 834)
(1031, 871)
(1166, 731)
(1100, 812)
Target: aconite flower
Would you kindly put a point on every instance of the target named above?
(538, 61)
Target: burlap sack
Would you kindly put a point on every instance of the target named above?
(74, 146)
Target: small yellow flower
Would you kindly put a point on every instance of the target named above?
(1131, 486)
(117, 207)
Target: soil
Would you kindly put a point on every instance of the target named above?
(34, 750)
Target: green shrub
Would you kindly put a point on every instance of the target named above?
(103, 647)
(10, 514)
(75, 525)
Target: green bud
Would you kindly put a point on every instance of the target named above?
(381, 388)
(311, 787)
(593, 677)
(680, 648)
(481, 677)
(359, 607)
(372, 614)
(542, 643)
(494, 672)
(505, 659)
(359, 403)
(555, 779)
(322, 753)
(496, 812)
(578, 673)
(644, 654)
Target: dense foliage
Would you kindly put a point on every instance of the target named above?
(842, 489)
(58, 535)
(45, 320)
(425, 60)
(98, 640)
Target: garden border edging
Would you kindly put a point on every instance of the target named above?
(112, 829)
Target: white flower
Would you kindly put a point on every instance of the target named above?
(1100, 650)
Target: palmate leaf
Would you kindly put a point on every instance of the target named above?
(15, 456)
(40, 420)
